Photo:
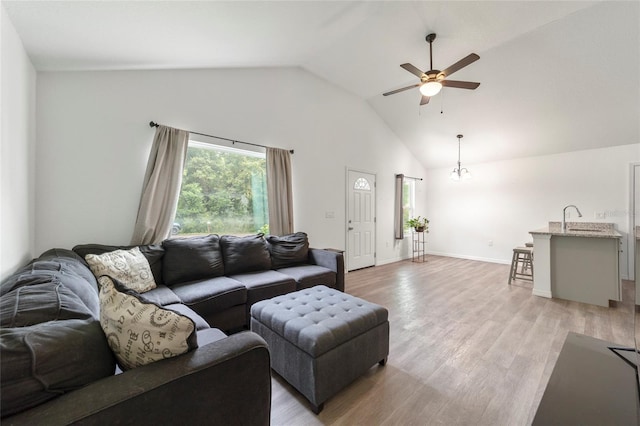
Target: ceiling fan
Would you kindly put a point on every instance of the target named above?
(432, 81)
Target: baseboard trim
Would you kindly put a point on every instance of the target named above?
(462, 256)
(391, 260)
(541, 293)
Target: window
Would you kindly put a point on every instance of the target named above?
(408, 200)
(362, 184)
(223, 192)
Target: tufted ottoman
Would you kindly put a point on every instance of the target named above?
(321, 339)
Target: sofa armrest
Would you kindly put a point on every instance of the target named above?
(224, 382)
(330, 259)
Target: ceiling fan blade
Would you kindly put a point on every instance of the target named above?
(393, 92)
(461, 64)
(460, 84)
(424, 100)
(413, 70)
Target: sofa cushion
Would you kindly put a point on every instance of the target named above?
(200, 323)
(210, 335)
(140, 332)
(153, 252)
(48, 300)
(41, 362)
(212, 295)
(71, 265)
(193, 258)
(130, 267)
(62, 265)
(245, 254)
(308, 276)
(265, 285)
(288, 250)
(162, 295)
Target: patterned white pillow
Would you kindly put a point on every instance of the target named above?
(140, 332)
(130, 267)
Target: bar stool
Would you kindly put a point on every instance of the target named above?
(529, 245)
(523, 259)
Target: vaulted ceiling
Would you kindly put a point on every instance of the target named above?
(555, 76)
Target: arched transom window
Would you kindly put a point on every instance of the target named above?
(362, 184)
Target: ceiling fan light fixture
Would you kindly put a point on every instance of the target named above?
(431, 81)
(431, 88)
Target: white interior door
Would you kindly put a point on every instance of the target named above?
(361, 220)
(634, 221)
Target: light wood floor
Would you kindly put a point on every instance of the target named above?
(465, 348)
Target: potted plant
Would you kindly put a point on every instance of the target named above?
(420, 224)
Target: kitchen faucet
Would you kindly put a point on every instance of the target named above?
(564, 216)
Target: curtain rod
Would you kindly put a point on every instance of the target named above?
(154, 124)
(414, 178)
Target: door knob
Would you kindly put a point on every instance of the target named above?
(350, 228)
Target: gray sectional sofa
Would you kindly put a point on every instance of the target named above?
(220, 277)
(56, 365)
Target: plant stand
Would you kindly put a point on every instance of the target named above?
(419, 241)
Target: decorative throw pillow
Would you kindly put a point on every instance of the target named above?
(288, 250)
(153, 252)
(190, 259)
(127, 266)
(245, 254)
(140, 332)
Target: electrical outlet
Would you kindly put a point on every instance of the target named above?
(490, 243)
(329, 215)
(600, 215)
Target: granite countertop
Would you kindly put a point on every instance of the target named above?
(580, 229)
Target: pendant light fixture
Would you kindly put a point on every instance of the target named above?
(460, 172)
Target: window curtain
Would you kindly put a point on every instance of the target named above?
(398, 225)
(161, 186)
(279, 192)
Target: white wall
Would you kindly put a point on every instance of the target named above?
(94, 139)
(505, 200)
(16, 150)
(93, 142)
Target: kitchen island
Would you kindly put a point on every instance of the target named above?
(580, 264)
